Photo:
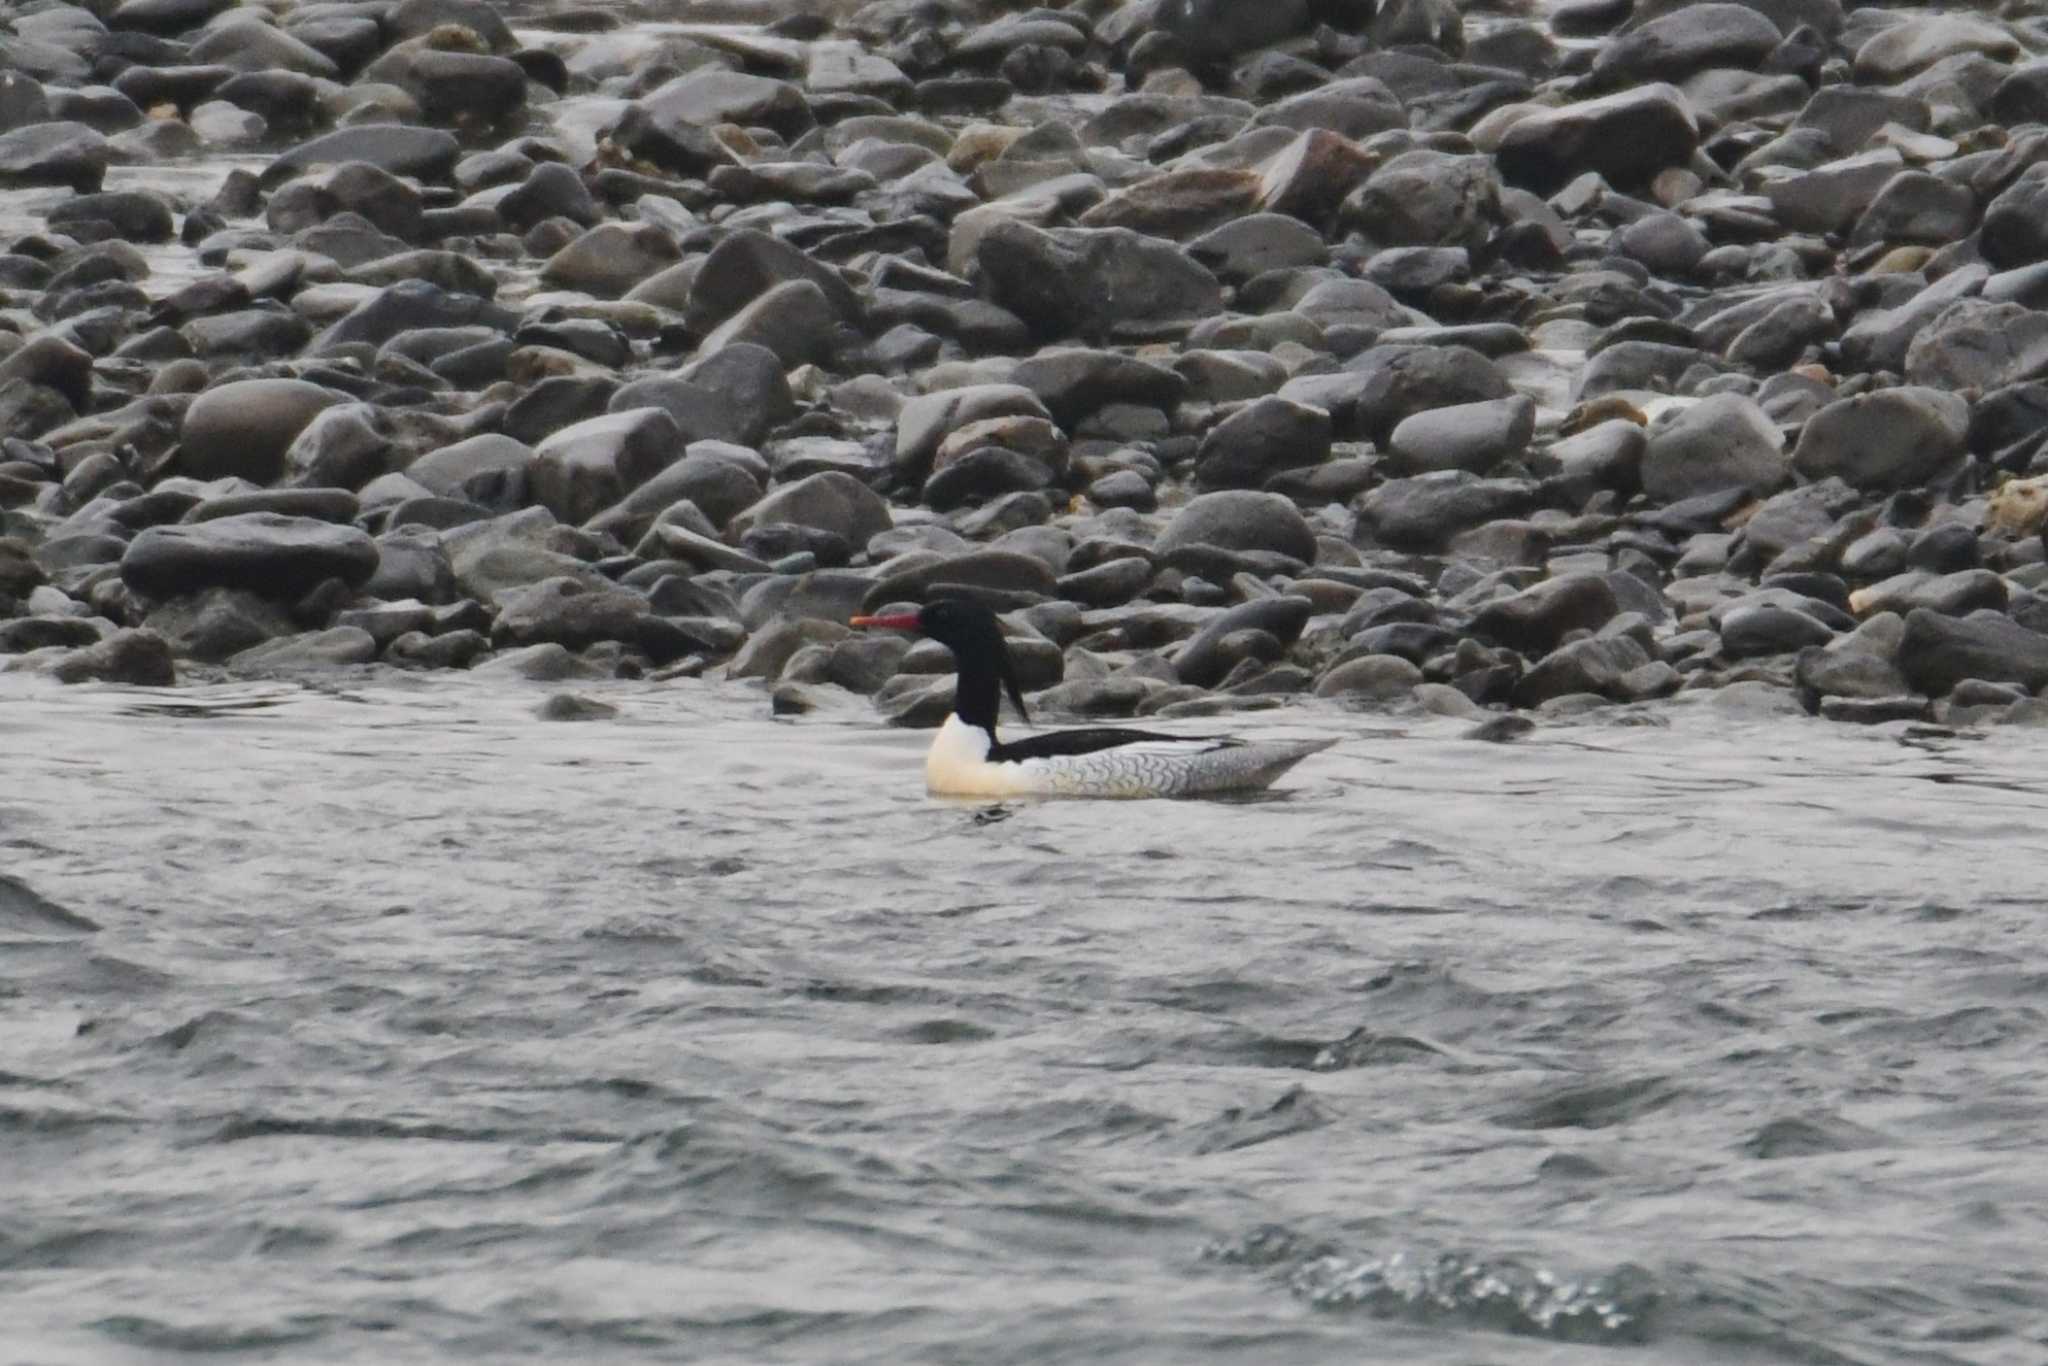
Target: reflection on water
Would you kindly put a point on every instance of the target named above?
(381, 1019)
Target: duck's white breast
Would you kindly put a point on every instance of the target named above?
(957, 765)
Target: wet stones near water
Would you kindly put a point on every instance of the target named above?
(1383, 353)
(280, 556)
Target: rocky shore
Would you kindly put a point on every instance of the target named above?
(1396, 353)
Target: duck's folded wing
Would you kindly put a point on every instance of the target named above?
(1059, 744)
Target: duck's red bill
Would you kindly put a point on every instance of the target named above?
(901, 621)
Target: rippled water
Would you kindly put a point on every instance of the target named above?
(385, 1021)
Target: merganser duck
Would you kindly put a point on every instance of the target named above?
(967, 760)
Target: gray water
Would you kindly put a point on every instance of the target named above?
(383, 1021)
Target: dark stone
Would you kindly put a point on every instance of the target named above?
(1536, 619)
(1259, 440)
(1939, 651)
(279, 557)
(1206, 657)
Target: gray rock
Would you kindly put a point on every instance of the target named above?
(1427, 198)
(42, 632)
(418, 18)
(1607, 455)
(277, 556)
(747, 264)
(1973, 344)
(23, 101)
(1220, 30)
(1464, 436)
(1423, 513)
(1848, 115)
(1600, 665)
(490, 470)
(1885, 439)
(1075, 382)
(1109, 584)
(249, 335)
(1356, 107)
(1382, 386)
(1860, 664)
(77, 550)
(134, 215)
(214, 623)
(717, 486)
(1768, 628)
(830, 501)
(344, 446)
(55, 153)
(1722, 442)
(1951, 594)
(245, 427)
(1370, 678)
(712, 95)
(1208, 654)
(407, 306)
(387, 621)
(466, 90)
(983, 475)
(334, 648)
(2022, 97)
(1091, 282)
(1628, 365)
(547, 663)
(863, 663)
(2015, 228)
(550, 190)
(1938, 651)
(1782, 335)
(1259, 440)
(611, 258)
(567, 612)
(927, 420)
(411, 565)
(1240, 520)
(1878, 339)
(1665, 243)
(738, 393)
(1352, 303)
(1878, 555)
(1124, 489)
(1626, 138)
(320, 504)
(1831, 196)
(584, 469)
(490, 557)
(251, 45)
(1259, 242)
(1917, 206)
(769, 650)
(1005, 570)
(563, 706)
(424, 154)
(1796, 517)
(1536, 619)
(1920, 40)
(794, 321)
(52, 361)
(137, 658)
(1695, 38)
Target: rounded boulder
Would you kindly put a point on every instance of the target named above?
(1241, 519)
(243, 428)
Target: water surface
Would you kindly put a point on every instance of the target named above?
(383, 1020)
